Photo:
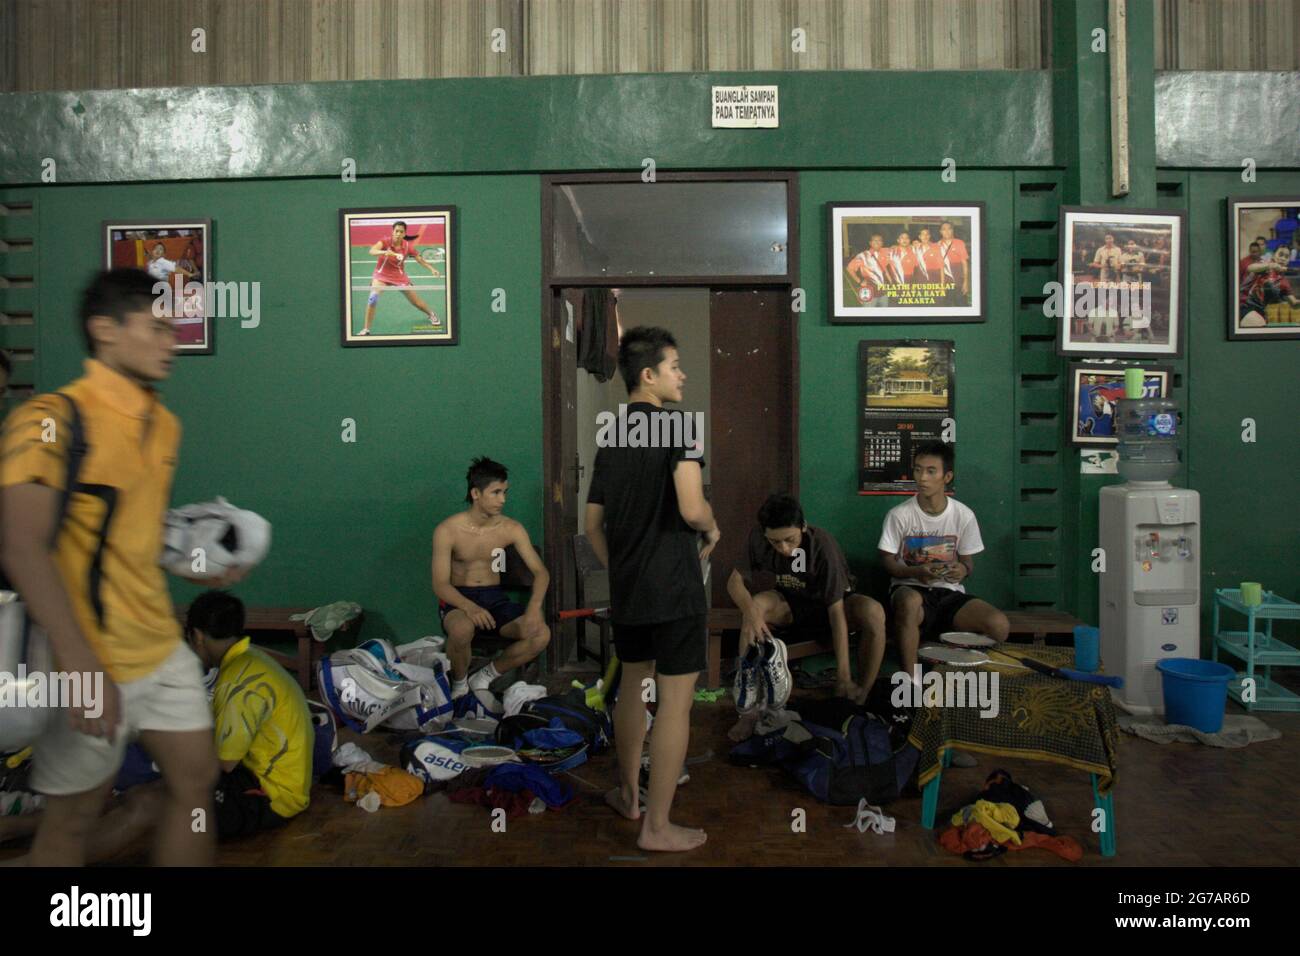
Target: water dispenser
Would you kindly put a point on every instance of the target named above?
(1150, 531)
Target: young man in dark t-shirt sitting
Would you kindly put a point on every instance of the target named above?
(797, 577)
(645, 513)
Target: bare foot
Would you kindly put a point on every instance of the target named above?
(670, 839)
(846, 688)
(622, 805)
(744, 728)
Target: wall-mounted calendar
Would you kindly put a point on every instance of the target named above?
(906, 395)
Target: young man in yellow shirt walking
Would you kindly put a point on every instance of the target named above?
(85, 560)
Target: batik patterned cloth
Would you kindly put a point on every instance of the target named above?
(1039, 718)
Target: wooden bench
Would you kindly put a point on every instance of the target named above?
(276, 621)
(1034, 624)
(1038, 624)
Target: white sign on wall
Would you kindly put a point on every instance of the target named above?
(745, 106)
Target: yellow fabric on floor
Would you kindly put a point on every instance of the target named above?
(396, 787)
(1000, 819)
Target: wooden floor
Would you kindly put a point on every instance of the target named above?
(1175, 805)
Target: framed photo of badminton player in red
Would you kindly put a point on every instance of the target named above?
(398, 268)
(178, 255)
(1264, 268)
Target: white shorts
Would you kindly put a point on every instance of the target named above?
(172, 698)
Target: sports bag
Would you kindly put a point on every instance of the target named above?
(326, 738)
(24, 647)
(435, 758)
(839, 767)
(368, 687)
(555, 748)
(570, 709)
(842, 767)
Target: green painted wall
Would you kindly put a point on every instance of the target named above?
(263, 416)
(1251, 522)
(828, 375)
(525, 124)
(352, 521)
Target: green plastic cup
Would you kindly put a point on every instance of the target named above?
(1134, 381)
(1252, 593)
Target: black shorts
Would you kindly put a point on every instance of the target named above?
(242, 806)
(812, 621)
(677, 647)
(491, 598)
(938, 608)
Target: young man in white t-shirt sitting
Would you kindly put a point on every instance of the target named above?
(927, 545)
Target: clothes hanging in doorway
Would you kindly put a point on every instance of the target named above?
(598, 333)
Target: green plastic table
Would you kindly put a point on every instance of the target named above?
(1044, 718)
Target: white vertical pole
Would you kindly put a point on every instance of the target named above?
(1117, 45)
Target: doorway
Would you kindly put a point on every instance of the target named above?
(738, 341)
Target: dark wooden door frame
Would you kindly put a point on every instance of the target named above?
(553, 551)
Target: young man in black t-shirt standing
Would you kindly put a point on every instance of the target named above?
(798, 578)
(645, 512)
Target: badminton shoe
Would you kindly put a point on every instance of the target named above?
(774, 668)
(749, 685)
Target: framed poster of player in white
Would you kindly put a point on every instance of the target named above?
(398, 270)
(906, 262)
(1264, 268)
(175, 252)
(1120, 292)
(1094, 390)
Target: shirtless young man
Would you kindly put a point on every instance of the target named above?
(468, 551)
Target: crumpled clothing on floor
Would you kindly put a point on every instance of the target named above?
(871, 818)
(396, 787)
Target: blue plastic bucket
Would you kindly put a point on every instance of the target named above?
(1195, 692)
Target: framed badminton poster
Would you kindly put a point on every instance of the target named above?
(178, 255)
(1121, 282)
(1264, 268)
(906, 395)
(1095, 387)
(906, 262)
(398, 275)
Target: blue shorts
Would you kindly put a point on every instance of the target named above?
(492, 599)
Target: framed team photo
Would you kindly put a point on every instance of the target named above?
(398, 276)
(1264, 268)
(1121, 282)
(179, 253)
(1095, 388)
(906, 262)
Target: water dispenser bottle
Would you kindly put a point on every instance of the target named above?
(1148, 438)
